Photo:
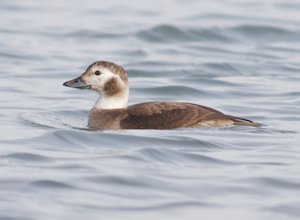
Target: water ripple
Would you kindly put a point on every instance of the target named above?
(167, 33)
(50, 184)
(240, 57)
(26, 157)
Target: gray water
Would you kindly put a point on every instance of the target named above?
(240, 57)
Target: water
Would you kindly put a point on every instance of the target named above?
(240, 57)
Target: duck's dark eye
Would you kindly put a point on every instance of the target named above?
(97, 72)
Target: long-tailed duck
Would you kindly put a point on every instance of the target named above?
(112, 112)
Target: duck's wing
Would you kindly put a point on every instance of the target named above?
(166, 115)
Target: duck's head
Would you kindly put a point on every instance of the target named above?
(108, 79)
(101, 76)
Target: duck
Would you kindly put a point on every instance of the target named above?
(111, 110)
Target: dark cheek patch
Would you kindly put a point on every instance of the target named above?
(112, 87)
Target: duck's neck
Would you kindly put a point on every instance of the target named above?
(113, 102)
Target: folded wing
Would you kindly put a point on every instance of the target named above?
(168, 115)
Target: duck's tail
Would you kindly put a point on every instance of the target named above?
(244, 122)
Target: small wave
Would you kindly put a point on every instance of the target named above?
(175, 157)
(167, 33)
(178, 91)
(121, 181)
(260, 29)
(92, 34)
(288, 209)
(151, 207)
(51, 184)
(17, 56)
(265, 32)
(26, 157)
(275, 183)
(142, 73)
(56, 119)
(223, 67)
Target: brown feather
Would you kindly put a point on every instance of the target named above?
(165, 115)
(162, 115)
(112, 87)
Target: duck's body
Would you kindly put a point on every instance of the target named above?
(111, 110)
(160, 115)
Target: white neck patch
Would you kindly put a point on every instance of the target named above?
(113, 102)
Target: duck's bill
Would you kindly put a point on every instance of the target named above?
(77, 83)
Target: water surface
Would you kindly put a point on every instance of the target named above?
(240, 57)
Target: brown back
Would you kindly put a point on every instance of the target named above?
(165, 115)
